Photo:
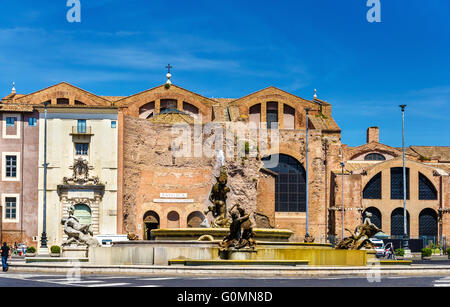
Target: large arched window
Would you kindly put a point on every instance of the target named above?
(427, 191)
(428, 224)
(290, 184)
(397, 183)
(374, 157)
(147, 110)
(397, 222)
(190, 109)
(372, 190)
(376, 216)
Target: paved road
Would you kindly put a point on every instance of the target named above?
(41, 280)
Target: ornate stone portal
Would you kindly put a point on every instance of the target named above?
(81, 190)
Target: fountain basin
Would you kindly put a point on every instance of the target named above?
(193, 234)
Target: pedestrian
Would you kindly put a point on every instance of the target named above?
(5, 255)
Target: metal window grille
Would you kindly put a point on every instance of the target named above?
(397, 183)
(290, 185)
(428, 223)
(427, 190)
(374, 157)
(397, 222)
(372, 190)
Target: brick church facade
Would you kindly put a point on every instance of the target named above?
(157, 188)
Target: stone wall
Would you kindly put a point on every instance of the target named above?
(152, 168)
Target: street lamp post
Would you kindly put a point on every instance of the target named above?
(343, 207)
(307, 172)
(405, 212)
(44, 248)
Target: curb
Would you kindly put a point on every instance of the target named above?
(235, 271)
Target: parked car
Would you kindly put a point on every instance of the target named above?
(379, 246)
(108, 240)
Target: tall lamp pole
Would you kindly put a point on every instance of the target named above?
(343, 208)
(44, 248)
(405, 212)
(307, 172)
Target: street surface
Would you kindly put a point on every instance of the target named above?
(46, 280)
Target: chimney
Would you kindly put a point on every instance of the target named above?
(373, 135)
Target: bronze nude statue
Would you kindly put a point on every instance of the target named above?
(241, 231)
(360, 239)
(218, 197)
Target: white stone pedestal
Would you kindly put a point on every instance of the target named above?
(239, 254)
(43, 252)
(75, 252)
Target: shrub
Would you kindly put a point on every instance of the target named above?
(448, 251)
(55, 249)
(400, 252)
(31, 250)
(426, 252)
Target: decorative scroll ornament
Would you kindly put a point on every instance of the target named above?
(80, 174)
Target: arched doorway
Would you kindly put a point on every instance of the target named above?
(376, 216)
(195, 219)
(397, 223)
(428, 223)
(173, 220)
(151, 221)
(290, 184)
(83, 214)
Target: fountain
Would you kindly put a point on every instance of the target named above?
(226, 242)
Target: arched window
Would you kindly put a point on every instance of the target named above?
(168, 104)
(428, 225)
(397, 183)
(147, 110)
(272, 114)
(151, 221)
(376, 216)
(62, 101)
(288, 117)
(427, 191)
(374, 157)
(290, 184)
(83, 214)
(190, 109)
(173, 220)
(195, 219)
(397, 222)
(255, 114)
(372, 190)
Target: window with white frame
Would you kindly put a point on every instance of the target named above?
(10, 208)
(11, 166)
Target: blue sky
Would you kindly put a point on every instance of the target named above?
(232, 48)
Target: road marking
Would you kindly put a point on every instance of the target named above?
(82, 282)
(442, 285)
(149, 286)
(109, 285)
(158, 278)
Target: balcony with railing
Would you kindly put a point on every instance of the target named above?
(81, 130)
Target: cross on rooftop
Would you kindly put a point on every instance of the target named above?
(169, 67)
